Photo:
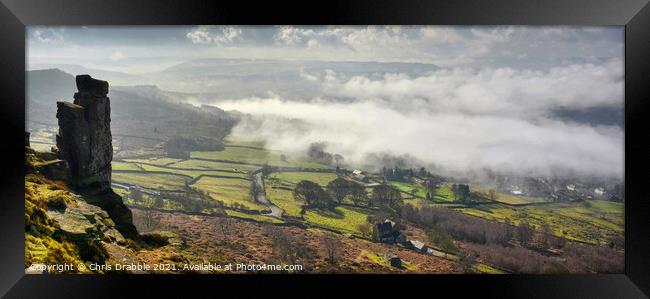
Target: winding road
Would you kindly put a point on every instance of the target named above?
(258, 178)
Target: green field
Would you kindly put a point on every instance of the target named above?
(592, 221)
(155, 161)
(284, 200)
(117, 166)
(507, 198)
(229, 190)
(344, 219)
(230, 140)
(486, 269)
(151, 180)
(193, 173)
(412, 188)
(255, 156)
(443, 193)
(211, 165)
(292, 178)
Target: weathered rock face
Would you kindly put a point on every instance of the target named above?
(84, 139)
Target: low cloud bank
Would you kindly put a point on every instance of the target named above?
(457, 120)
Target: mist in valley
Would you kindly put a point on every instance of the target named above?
(460, 101)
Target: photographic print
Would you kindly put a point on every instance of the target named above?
(324, 149)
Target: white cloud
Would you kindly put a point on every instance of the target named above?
(218, 35)
(48, 35)
(503, 91)
(458, 119)
(117, 56)
(454, 142)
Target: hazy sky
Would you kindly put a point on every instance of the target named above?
(491, 104)
(137, 49)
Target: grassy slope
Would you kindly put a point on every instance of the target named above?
(230, 191)
(41, 244)
(284, 200)
(156, 161)
(151, 180)
(255, 156)
(293, 178)
(211, 165)
(192, 173)
(595, 221)
(345, 219)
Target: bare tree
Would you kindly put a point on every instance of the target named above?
(524, 232)
(546, 235)
(286, 247)
(225, 226)
(136, 194)
(466, 262)
(150, 220)
(493, 194)
(332, 247)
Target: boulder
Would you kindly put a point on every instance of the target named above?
(56, 170)
(118, 212)
(91, 87)
(393, 260)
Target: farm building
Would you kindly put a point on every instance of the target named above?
(416, 245)
(387, 232)
(360, 175)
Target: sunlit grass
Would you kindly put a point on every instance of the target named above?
(230, 191)
(151, 180)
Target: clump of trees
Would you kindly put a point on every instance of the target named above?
(341, 188)
(313, 195)
(461, 191)
(180, 146)
(316, 152)
(441, 239)
(338, 188)
(458, 225)
(525, 233)
(517, 259)
(583, 258)
(387, 197)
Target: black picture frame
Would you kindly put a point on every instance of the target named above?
(633, 14)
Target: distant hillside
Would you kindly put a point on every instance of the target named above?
(141, 116)
(291, 79)
(116, 78)
(603, 115)
(44, 89)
